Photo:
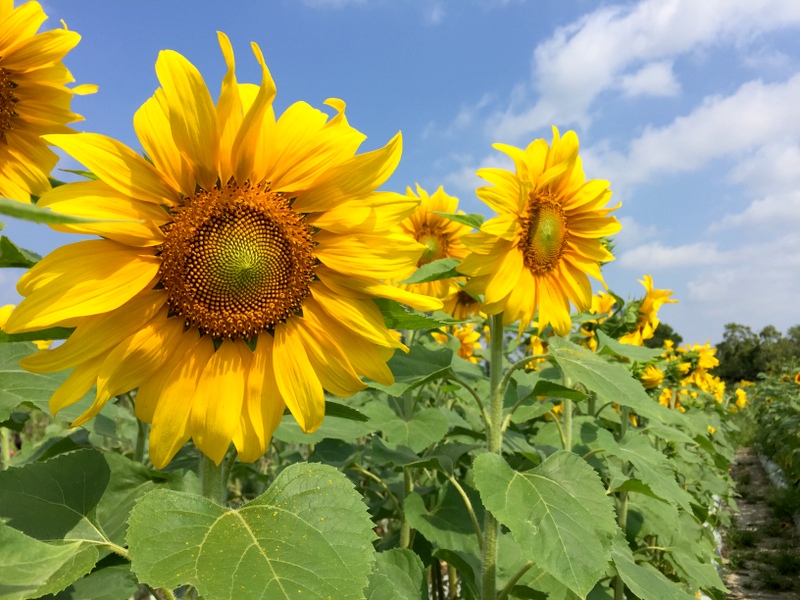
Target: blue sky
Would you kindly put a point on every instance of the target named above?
(690, 109)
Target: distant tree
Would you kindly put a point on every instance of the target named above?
(663, 332)
(739, 354)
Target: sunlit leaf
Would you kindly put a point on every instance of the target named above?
(398, 575)
(443, 268)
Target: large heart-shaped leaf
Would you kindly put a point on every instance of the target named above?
(309, 535)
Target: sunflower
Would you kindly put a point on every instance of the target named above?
(459, 303)
(33, 98)
(468, 338)
(651, 377)
(238, 273)
(741, 398)
(440, 236)
(602, 306)
(797, 378)
(647, 320)
(5, 312)
(546, 239)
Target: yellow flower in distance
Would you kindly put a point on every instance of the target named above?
(239, 274)
(33, 98)
(651, 377)
(538, 251)
(468, 337)
(797, 378)
(648, 313)
(440, 236)
(459, 303)
(741, 398)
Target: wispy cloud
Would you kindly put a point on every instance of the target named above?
(596, 53)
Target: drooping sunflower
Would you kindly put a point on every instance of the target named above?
(647, 321)
(651, 377)
(537, 253)
(236, 271)
(468, 337)
(459, 303)
(33, 98)
(440, 236)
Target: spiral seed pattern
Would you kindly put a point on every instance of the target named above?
(544, 234)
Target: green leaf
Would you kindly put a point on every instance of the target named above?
(447, 524)
(85, 495)
(608, 345)
(636, 485)
(309, 534)
(423, 428)
(397, 316)
(37, 214)
(646, 583)
(558, 513)
(652, 466)
(342, 411)
(549, 388)
(30, 568)
(443, 268)
(15, 257)
(611, 382)
(332, 428)
(474, 220)
(53, 333)
(419, 366)
(398, 575)
(114, 582)
(79, 564)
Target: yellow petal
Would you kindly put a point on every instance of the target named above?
(170, 430)
(152, 388)
(151, 123)
(505, 277)
(387, 256)
(192, 115)
(20, 23)
(553, 307)
(358, 176)
(505, 226)
(378, 211)
(98, 335)
(298, 383)
(76, 386)
(40, 50)
(360, 316)
(217, 403)
(229, 108)
(84, 285)
(326, 358)
(139, 221)
(117, 165)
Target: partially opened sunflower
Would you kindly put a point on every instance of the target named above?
(537, 252)
(239, 275)
(33, 98)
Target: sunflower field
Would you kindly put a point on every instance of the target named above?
(258, 373)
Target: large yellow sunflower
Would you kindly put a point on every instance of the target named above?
(242, 274)
(440, 236)
(33, 98)
(546, 239)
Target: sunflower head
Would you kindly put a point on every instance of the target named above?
(34, 100)
(239, 264)
(440, 237)
(548, 236)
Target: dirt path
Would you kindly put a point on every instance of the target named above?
(762, 548)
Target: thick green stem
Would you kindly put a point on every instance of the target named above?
(566, 410)
(141, 438)
(494, 439)
(213, 480)
(619, 586)
(5, 447)
(405, 528)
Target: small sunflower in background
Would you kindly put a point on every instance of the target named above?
(647, 321)
(546, 239)
(651, 377)
(34, 99)
(236, 271)
(460, 304)
(468, 337)
(440, 236)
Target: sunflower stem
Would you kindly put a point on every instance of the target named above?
(405, 527)
(213, 480)
(141, 437)
(494, 439)
(5, 448)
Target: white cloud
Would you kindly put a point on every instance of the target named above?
(633, 233)
(434, 14)
(591, 55)
(654, 79)
(771, 214)
(655, 255)
(756, 114)
(467, 116)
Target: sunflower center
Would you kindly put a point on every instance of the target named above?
(7, 103)
(544, 234)
(435, 244)
(237, 261)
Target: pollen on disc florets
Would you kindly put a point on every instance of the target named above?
(544, 233)
(237, 260)
(8, 102)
